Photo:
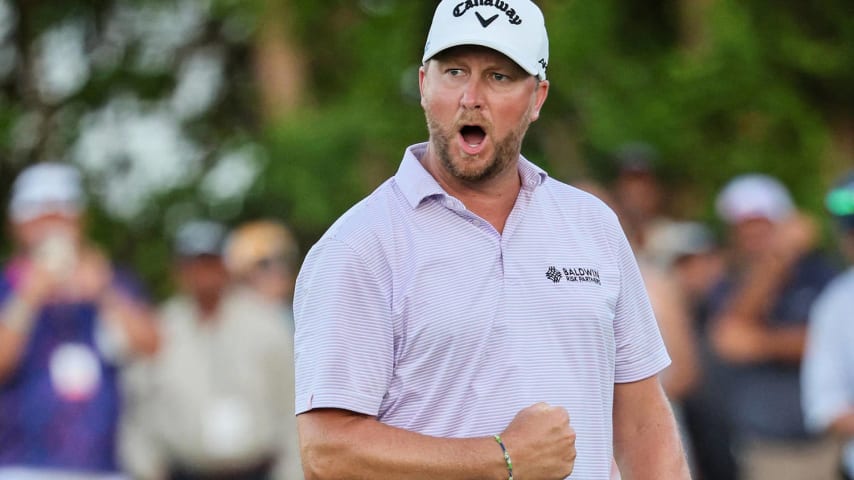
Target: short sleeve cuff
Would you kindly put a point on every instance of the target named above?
(641, 370)
(337, 399)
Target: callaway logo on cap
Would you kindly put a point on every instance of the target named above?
(513, 27)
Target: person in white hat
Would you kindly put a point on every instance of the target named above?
(757, 330)
(68, 321)
(473, 317)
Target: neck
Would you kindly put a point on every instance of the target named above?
(208, 306)
(491, 199)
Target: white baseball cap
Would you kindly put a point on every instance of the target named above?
(515, 28)
(46, 188)
(754, 195)
(197, 238)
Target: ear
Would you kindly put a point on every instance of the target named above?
(541, 93)
(422, 73)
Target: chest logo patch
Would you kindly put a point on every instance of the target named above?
(573, 275)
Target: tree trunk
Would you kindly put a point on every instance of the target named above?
(280, 68)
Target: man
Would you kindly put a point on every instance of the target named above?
(828, 385)
(451, 324)
(68, 321)
(214, 403)
(640, 196)
(694, 260)
(758, 330)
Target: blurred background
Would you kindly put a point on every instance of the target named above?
(295, 109)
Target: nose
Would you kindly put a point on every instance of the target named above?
(472, 98)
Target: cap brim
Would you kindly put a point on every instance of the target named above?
(479, 42)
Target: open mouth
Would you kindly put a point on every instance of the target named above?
(473, 135)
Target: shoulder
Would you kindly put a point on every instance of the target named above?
(129, 283)
(836, 297)
(816, 267)
(585, 214)
(574, 201)
(366, 217)
(364, 230)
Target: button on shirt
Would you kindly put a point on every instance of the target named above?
(414, 310)
(828, 367)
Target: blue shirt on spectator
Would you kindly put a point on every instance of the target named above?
(764, 399)
(59, 409)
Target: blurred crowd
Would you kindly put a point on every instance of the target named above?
(762, 379)
(96, 381)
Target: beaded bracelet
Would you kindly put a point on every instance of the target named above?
(506, 456)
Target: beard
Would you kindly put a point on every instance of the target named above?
(466, 168)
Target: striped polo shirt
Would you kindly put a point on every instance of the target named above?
(415, 310)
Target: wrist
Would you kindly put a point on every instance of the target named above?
(508, 462)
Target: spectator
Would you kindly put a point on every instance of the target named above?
(639, 195)
(263, 256)
(68, 321)
(829, 359)
(759, 328)
(217, 400)
(690, 254)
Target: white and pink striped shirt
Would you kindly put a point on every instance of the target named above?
(414, 310)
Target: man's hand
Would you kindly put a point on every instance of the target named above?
(541, 443)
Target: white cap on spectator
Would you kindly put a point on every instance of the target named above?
(46, 188)
(515, 28)
(197, 238)
(754, 196)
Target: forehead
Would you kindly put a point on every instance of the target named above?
(476, 52)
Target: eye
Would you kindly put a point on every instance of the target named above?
(454, 72)
(500, 77)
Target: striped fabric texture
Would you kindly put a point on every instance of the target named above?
(414, 310)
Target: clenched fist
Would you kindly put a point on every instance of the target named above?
(541, 443)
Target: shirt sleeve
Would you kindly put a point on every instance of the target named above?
(823, 371)
(640, 349)
(344, 347)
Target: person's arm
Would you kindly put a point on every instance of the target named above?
(131, 322)
(341, 445)
(287, 464)
(843, 426)
(18, 314)
(135, 321)
(646, 439)
(741, 332)
(16, 320)
(825, 372)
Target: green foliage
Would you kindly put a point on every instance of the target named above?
(762, 91)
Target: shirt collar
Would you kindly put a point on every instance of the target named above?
(417, 184)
